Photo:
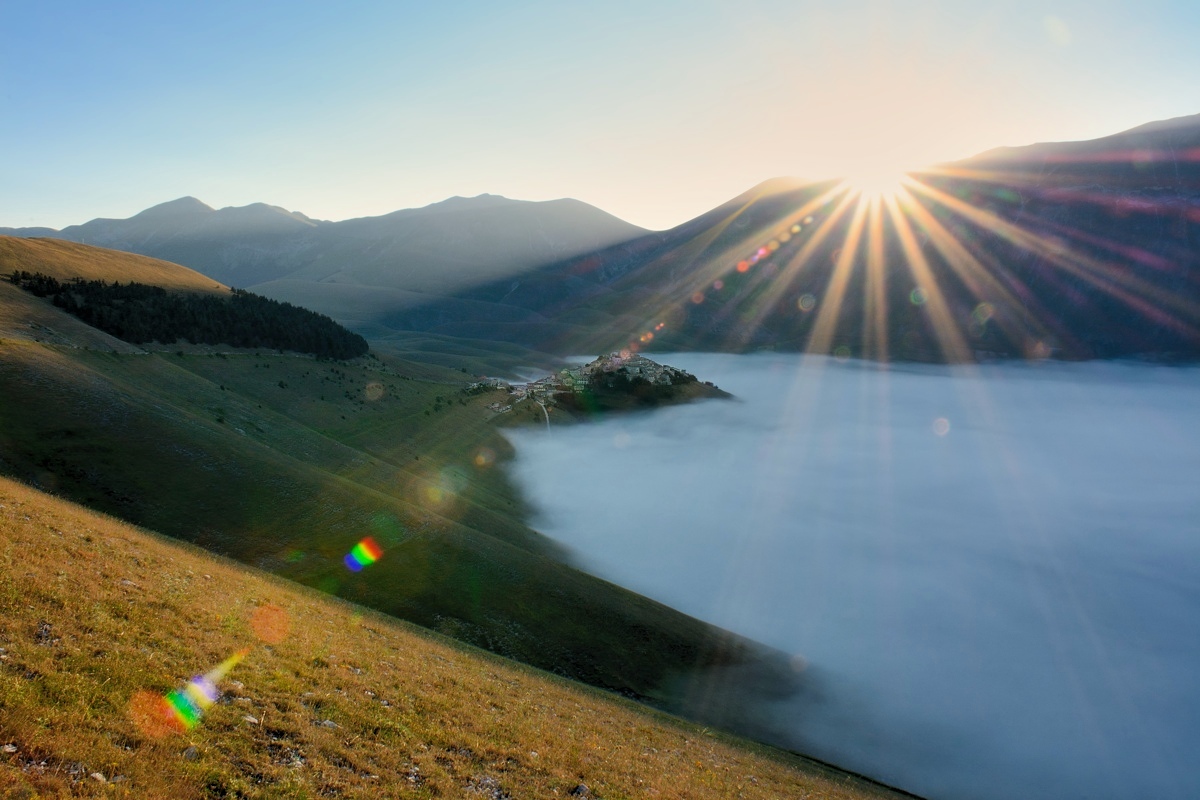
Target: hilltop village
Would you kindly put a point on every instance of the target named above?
(617, 381)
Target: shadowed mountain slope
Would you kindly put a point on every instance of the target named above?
(1072, 249)
(1079, 250)
(438, 248)
(286, 462)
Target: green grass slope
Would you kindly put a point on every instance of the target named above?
(286, 462)
(98, 619)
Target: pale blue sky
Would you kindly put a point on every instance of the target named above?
(654, 111)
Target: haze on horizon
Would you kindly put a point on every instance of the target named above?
(652, 112)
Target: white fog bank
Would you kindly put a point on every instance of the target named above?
(992, 574)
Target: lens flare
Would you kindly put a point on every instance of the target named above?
(270, 623)
(918, 265)
(179, 711)
(485, 457)
(876, 183)
(364, 554)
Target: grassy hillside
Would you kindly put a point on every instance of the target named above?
(98, 618)
(64, 260)
(286, 462)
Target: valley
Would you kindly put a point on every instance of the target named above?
(459, 323)
(284, 462)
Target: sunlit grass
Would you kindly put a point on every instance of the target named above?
(348, 703)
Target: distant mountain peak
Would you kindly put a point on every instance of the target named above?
(1188, 121)
(263, 210)
(175, 208)
(478, 201)
(1163, 133)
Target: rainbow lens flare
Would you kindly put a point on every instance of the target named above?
(364, 554)
(181, 710)
(189, 703)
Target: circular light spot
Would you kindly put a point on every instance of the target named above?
(373, 391)
(485, 457)
(742, 266)
(808, 220)
(785, 237)
(270, 623)
(799, 663)
(698, 298)
(983, 312)
(152, 715)
(941, 426)
(806, 303)
(917, 296)
(772, 245)
(841, 353)
(795, 229)
(718, 285)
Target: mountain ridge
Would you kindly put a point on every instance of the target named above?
(1086, 239)
(1088, 252)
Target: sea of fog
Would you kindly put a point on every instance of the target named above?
(991, 574)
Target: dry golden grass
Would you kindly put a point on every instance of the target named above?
(347, 703)
(65, 260)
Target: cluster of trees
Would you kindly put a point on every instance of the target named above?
(622, 382)
(139, 313)
(618, 390)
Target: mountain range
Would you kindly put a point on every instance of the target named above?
(358, 266)
(1075, 249)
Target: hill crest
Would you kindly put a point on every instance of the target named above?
(65, 260)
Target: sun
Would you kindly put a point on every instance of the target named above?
(875, 183)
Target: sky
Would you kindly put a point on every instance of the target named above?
(654, 111)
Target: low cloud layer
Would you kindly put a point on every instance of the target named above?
(994, 571)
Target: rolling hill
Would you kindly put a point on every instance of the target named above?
(64, 260)
(352, 269)
(285, 462)
(98, 619)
